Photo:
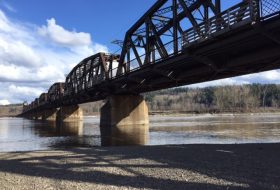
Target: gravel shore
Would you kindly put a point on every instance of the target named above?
(248, 166)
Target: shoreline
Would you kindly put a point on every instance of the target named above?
(188, 114)
(199, 166)
(134, 146)
(185, 114)
(214, 114)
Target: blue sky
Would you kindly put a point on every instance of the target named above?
(105, 20)
(42, 40)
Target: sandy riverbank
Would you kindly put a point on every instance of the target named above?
(251, 166)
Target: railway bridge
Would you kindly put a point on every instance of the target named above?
(175, 43)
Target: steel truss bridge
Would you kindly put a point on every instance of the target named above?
(175, 43)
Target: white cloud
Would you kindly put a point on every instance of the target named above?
(12, 73)
(222, 82)
(33, 57)
(263, 77)
(25, 91)
(4, 102)
(64, 37)
(18, 53)
(30, 62)
(17, 93)
(268, 76)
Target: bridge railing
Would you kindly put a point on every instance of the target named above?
(269, 8)
(240, 14)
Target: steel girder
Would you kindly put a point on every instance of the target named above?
(147, 40)
(90, 72)
(55, 92)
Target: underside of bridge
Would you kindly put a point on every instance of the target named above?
(175, 43)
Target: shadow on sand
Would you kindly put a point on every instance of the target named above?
(251, 166)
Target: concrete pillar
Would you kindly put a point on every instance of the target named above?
(38, 115)
(70, 113)
(124, 110)
(49, 114)
(32, 116)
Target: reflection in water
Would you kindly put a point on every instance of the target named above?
(124, 135)
(52, 128)
(70, 128)
(18, 134)
(215, 129)
(226, 131)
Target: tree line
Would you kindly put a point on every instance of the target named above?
(234, 98)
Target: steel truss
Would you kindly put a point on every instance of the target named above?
(168, 33)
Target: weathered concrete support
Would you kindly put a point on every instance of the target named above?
(125, 110)
(38, 115)
(70, 113)
(49, 114)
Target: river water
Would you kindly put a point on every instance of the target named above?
(18, 134)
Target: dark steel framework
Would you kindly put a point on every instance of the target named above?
(90, 72)
(56, 92)
(172, 25)
(178, 42)
(43, 99)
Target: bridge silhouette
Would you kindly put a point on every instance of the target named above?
(175, 43)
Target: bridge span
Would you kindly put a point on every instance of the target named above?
(175, 43)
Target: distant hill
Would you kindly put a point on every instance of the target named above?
(15, 109)
(10, 110)
(220, 99)
(91, 108)
(249, 98)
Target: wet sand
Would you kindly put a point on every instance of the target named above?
(247, 166)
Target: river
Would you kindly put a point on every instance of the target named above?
(19, 134)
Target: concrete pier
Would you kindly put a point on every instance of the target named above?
(124, 110)
(49, 114)
(38, 115)
(70, 113)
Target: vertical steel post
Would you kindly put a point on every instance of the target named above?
(206, 19)
(148, 49)
(218, 17)
(261, 8)
(153, 53)
(218, 6)
(111, 67)
(256, 7)
(128, 59)
(175, 27)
